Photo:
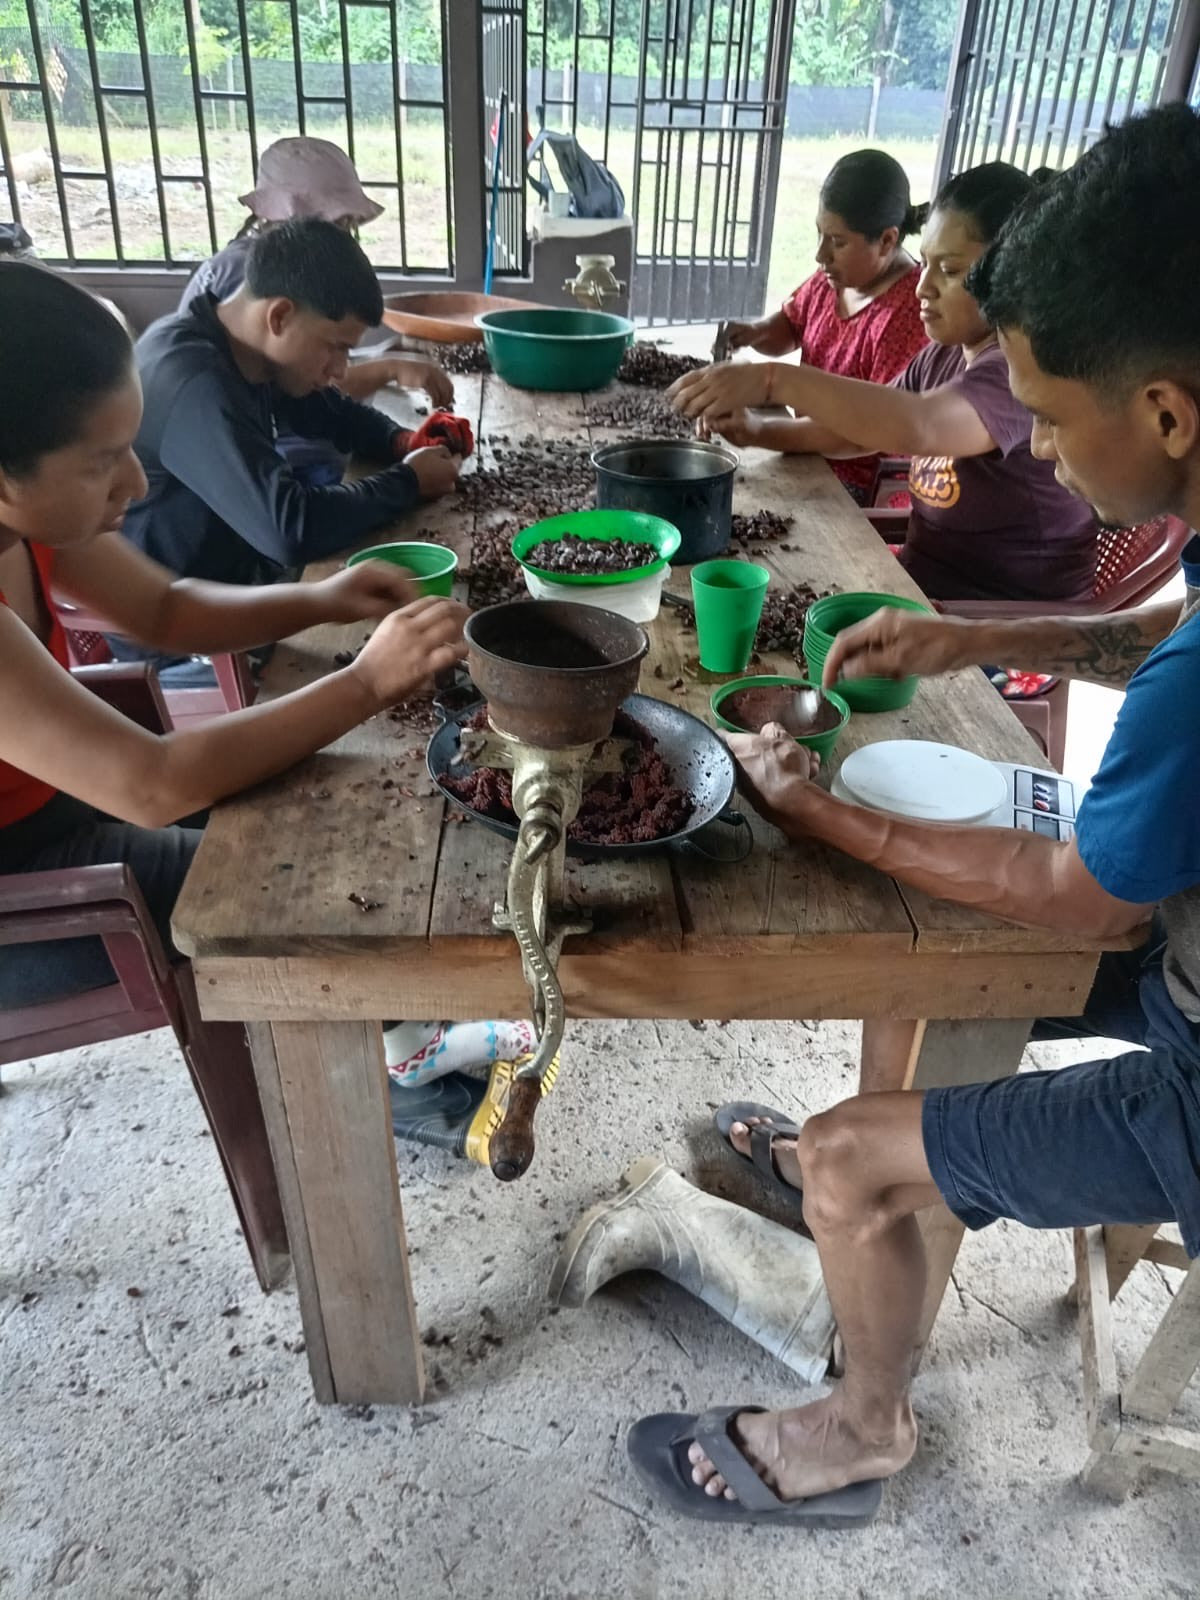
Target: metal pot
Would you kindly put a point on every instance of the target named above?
(687, 482)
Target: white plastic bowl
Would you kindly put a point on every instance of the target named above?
(639, 601)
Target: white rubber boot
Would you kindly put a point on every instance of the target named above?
(761, 1277)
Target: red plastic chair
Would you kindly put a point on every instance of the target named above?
(87, 646)
(150, 991)
(1132, 564)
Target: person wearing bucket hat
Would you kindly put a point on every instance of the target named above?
(303, 177)
(220, 379)
(1102, 342)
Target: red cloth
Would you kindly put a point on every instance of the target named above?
(876, 344)
(21, 795)
(443, 427)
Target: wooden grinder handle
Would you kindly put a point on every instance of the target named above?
(512, 1143)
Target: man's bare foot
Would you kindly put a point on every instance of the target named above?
(811, 1450)
(783, 1149)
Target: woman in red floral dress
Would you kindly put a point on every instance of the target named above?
(857, 316)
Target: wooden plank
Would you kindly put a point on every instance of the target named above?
(334, 1089)
(270, 1092)
(1170, 1359)
(947, 1053)
(1124, 1246)
(482, 977)
(1101, 1393)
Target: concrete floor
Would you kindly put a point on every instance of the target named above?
(158, 1437)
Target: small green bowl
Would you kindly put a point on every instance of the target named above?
(822, 743)
(634, 527)
(828, 618)
(432, 565)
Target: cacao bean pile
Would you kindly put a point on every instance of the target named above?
(760, 527)
(781, 626)
(639, 416)
(651, 367)
(570, 552)
(494, 575)
(532, 480)
(461, 359)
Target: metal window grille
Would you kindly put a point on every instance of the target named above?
(503, 24)
(711, 103)
(688, 115)
(173, 135)
(1035, 81)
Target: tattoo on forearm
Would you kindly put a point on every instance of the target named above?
(1107, 652)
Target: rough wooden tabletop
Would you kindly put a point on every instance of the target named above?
(282, 870)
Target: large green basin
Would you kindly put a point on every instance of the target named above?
(555, 350)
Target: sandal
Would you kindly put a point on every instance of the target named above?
(658, 1448)
(762, 1141)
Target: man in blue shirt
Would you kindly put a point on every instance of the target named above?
(220, 380)
(1092, 289)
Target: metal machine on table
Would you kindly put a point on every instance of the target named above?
(552, 693)
(553, 676)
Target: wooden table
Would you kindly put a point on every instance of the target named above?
(795, 931)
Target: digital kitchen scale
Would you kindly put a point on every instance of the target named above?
(929, 782)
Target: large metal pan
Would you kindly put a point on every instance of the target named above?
(698, 760)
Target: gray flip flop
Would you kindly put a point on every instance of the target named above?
(658, 1447)
(761, 1140)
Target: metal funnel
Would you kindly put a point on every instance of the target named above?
(553, 673)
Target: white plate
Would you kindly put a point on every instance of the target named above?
(925, 781)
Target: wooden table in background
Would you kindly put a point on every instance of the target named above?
(795, 931)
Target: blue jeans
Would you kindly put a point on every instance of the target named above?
(68, 833)
(1115, 1140)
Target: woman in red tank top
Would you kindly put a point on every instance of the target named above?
(78, 782)
(857, 315)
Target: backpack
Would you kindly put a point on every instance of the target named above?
(593, 189)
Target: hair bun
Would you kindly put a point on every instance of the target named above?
(916, 217)
(1041, 175)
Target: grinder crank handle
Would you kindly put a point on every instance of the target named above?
(511, 1147)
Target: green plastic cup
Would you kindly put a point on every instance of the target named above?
(432, 565)
(827, 618)
(728, 596)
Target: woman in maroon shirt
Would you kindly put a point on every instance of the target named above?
(989, 522)
(857, 315)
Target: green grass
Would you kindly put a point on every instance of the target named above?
(805, 163)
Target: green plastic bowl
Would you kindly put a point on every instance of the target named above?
(829, 617)
(609, 526)
(822, 743)
(432, 565)
(555, 350)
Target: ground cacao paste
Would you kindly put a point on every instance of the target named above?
(619, 808)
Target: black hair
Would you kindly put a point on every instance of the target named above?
(318, 266)
(1099, 269)
(60, 352)
(987, 196)
(870, 192)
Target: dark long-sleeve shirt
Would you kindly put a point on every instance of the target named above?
(222, 503)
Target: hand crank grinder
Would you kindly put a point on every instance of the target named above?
(553, 675)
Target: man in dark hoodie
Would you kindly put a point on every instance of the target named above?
(220, 380)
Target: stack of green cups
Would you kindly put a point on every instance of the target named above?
(728, 596)
(829, 617)
(432, 565)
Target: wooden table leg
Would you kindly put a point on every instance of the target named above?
(943, 1054)
(324, 1093)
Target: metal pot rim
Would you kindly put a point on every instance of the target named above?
(729, 459)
